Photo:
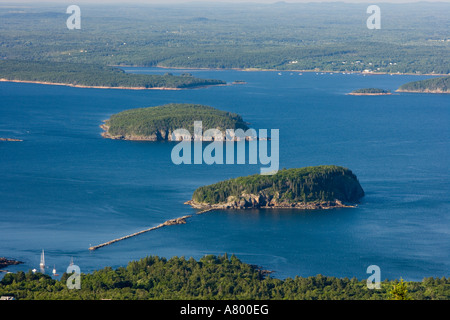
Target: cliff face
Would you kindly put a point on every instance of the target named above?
(161, 135)
(157, 136)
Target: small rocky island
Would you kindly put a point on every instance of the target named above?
(8, 262)
(434, 85)
(320, 187)
(370, 92)
(158, 123)
(9, 139)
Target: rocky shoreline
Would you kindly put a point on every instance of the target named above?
(424, 91)
(8, 262)
(164, 136)
(256, 202)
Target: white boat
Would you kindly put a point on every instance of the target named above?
(42, 264)
(54, 271)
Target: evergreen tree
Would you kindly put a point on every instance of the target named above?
(399, 291)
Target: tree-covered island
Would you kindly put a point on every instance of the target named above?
(434, 85)
(95, 76)
(319, 187)
(160, 122)
(370, 92)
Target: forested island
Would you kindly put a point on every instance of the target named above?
(434, 85)
(319, 187)
(210, 278)
(370, 92)
(96, 76)
(159, 123)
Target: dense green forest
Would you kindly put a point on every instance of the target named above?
(438, 85)
(311, 36)
(309, 184)
(370, 91)
(211, 278)
(93, 75)
(161, 121)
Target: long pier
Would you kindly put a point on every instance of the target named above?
(206, 210)
(181, 220)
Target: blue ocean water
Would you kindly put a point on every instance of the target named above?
(65, 188)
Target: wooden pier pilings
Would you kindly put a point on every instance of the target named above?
(181, 220)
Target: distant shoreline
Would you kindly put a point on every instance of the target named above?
(91, 87)
(204, 86)
(107, 87)
(278, 70)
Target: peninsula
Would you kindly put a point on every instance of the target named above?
(159, 123)
(320, 187)
(94, 76)
(4, 262)
(370, 92)
(434, 85)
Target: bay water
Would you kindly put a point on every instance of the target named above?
(65, 188)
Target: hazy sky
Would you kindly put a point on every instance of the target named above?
(210, 1)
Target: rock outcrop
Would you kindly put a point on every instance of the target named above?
(8, 262)
(168, 135)
(251, 201)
